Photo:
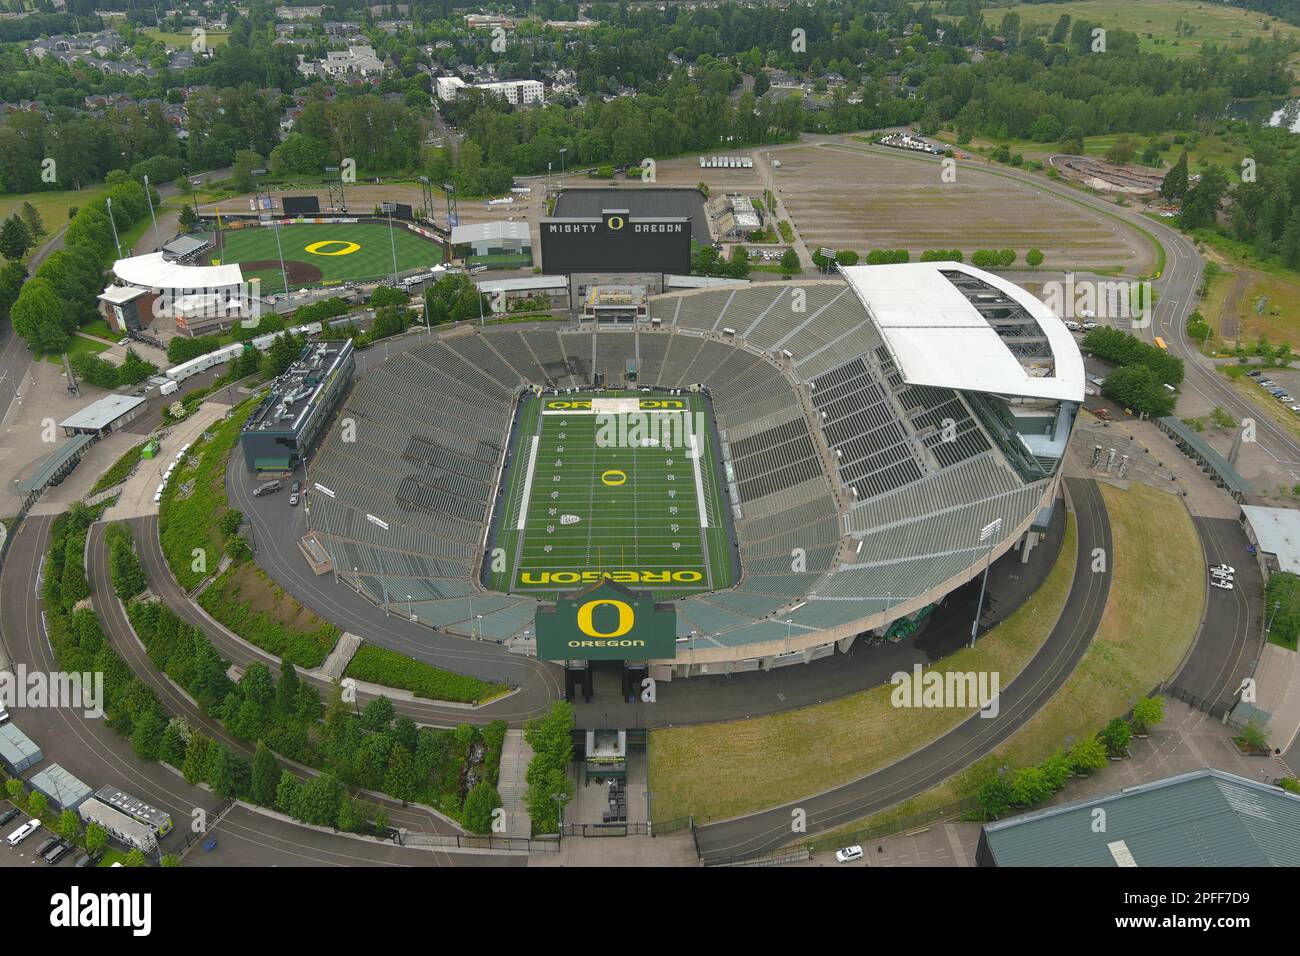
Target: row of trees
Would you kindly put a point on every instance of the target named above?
(1031, 786)
(62, 294)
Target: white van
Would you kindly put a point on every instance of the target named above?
(23, 832)
(1072, 325)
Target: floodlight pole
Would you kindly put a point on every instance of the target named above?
(156, 235)
(987, 533)
(108, 204)
(392, 242)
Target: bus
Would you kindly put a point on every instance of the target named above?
(156, 820)
(1160, 344)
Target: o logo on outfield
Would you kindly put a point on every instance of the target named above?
(613, 477)
(318, 248)
(626, 618)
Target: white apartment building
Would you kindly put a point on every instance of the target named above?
(516, 92)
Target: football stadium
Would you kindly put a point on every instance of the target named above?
(322, 253)
(853, 450)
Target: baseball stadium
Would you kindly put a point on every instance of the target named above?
(321, 253)
(866, 445)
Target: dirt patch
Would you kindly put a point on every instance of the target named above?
(248, 586)
(300, 273)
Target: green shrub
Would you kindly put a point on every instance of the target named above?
(378, 665)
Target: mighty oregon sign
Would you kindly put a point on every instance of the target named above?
(606, 623)
(616, 241)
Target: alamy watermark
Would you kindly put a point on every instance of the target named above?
(21, 688)
(1129, 299)
(961, 689)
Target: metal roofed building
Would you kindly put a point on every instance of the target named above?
(1276, 533)
(60, 787)
(18, 751)
(284, 426)
(950, 325)
(494, 238)
(1203, 818)
(106, 415)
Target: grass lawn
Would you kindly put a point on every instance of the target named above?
(382, 666)
(52, 206)
(78, 346)
(715, 771)
(500, 260)
(100, 328)
(1157, 22)
(1152, 615)
(178, 41)
(330, 252)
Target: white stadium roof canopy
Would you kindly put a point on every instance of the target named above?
(939, 338)
(153, 271)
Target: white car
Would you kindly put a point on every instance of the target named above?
(848, 854)
(1222, 583)
(23, 832)
(1223, 568)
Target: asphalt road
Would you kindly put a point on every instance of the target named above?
(1232, 633)
(94, 753)
(768, 830)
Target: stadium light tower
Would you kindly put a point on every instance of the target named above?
(108, 204)
(988, 534)
(149, 197)
(383, 526)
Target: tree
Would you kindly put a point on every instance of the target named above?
(15, 238)
(70, 826)
(378, 714)
(135, 859)
(790, 261)
(37, 803)
(400, 780)
(1174, 185)
(1148, 712)
(1087, 755)
(36, 315)
(266, 775)
(1030, 787)
(170, 860)
(32, 218)
(479, 807)
(1034, 258)
(995, 798)
(1201, 205)
(1116, 736)
(96, 839)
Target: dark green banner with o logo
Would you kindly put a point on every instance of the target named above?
(606, 623)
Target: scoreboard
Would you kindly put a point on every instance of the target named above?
(616, 241)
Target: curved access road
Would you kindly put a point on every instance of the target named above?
(98, 755)
(768, 830)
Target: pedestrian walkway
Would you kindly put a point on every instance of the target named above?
(516, 755)
(137, 494)
(338, 660)
(1277, 693)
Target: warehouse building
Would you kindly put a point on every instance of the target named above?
(109, 414)
(282, 429)
(18, 751)
(1203, 818)
(61, 788)
(487, 239)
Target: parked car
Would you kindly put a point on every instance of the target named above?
(1226, 568)
(269, 488)
(1221, 583)
(23, 832)
(55, 854)
(48, 845)
(848, 854)
(293, 493)
(1254, 373)
(87, 859)
(8, 815)
(1089, 326)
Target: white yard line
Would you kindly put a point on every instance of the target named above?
(699, 480)
(528, 484)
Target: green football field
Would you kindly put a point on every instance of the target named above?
(606, 485)
(324, 253)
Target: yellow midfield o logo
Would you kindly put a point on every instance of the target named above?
(613, 477)
(319, 248)
(626, 618)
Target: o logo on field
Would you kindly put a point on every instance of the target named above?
(626, 618)
(613, 477)
(318, 248)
